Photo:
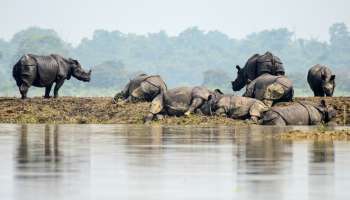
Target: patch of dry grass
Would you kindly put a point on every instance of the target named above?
(101, 110)
(315, 135)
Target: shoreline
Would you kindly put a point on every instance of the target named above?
(101, 110)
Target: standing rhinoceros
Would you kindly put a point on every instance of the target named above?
(270, 89)
(142, 88)
(321, 80)
(44, 71)
(299, 113)
(236, 107)
(180, 101)
(256, 66)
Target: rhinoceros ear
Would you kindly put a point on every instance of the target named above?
(249, 81)
(323, 103)
(238, 68)
(218, 91)
(72, 61)
(332, 77)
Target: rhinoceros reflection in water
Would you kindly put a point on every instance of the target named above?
(44, 71)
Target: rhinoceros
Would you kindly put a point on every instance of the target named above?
(180, 101)
(44, 71)
(299, 113)
(270, 89)
(256, 66)
(236, 107)
(321, 80)
(143, 87)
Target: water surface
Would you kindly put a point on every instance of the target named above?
(145, 162)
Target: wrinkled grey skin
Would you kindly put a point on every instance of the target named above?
(256, 66)
(142, 88)
(180, 101)
(321, 80)
(299, 113)
(236, 107)
(270, 89)
(44, 71)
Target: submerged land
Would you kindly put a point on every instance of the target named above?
(101, 110)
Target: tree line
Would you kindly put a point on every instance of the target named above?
(193, 57)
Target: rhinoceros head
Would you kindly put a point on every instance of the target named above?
(329, 112)
(328, 84)
(241, 79)
(78, 72)
(210, 105)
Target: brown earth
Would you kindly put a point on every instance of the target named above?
(315, 135)
(101, 110)
(94, 110)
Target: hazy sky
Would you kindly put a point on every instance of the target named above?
(75, 19)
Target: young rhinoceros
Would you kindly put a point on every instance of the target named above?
(256, 66)
(237, 107)
(321, 80)
(44, 71)
(180, 101)
(270, 89)
(142, 88)
(299, 113)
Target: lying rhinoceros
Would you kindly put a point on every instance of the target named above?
(142, 88)
(256, 66)
(237, 107)
(321, 80)
(180, 101)
(270, 89)
(44, 71)
(299, 113)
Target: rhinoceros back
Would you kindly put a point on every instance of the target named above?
(178, 100)
(236, 106)
(47, 69)
(294, 114)
(273, 65)
(298, 113)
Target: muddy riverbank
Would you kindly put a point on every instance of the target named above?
(101, 110)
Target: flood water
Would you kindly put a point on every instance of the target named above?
(152, 162)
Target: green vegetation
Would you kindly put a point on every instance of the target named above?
(194, 57)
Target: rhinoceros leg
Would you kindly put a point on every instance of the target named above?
(57, 87)
(157, 106)
(196, 103)
(47, 91)
(318, 93)
(256, 110)
(23, 89)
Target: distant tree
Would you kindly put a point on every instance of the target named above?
(39, 41)
(271, 40)
(339, 35)
(103, 46)
(339, 45)
(109, 74)
(193, 57)
(217, 79)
